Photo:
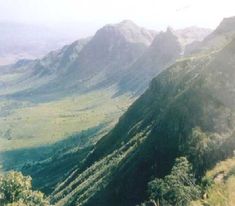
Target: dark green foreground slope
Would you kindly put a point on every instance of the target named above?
(188, 110)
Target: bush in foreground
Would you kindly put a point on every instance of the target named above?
(16, 190)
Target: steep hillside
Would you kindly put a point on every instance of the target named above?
(164, 50)
(188, 110)
(191, 34)
(28, 75)
(108, 55)
(64, 73)
(85, 85)
(216, 40)
(221, 189)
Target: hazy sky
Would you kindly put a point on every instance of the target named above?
(154, 14)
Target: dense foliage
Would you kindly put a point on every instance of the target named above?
(16, 190)
(178, 188)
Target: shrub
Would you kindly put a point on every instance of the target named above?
(16, 190)
(178, 188)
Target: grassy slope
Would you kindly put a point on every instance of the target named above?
(222, 191)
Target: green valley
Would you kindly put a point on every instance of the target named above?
(127, 117)
(24, 124)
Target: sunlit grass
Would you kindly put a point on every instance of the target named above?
(30, 125)
(222, 191)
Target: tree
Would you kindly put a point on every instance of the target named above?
(178, 188)
(202, 149)
(16, 190)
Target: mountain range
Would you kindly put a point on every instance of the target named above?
(182, 87)
(193, 95)
(109, 58)
(119, 60)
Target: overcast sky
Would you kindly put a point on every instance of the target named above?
(92, 14)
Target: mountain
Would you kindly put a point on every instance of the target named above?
(131, 32)
(163, 51)
(31, 74)
(188, 110)
(60, 85)
(123, 56)
(226, 26)
(26, 41)
(222, 35)
(109, 54)
(101, 61)
(80, 87)
(191, 34)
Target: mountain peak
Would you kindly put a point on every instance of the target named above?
(166, 41)
(130, 31)
(169, 33)
(227, 25)
(127, 23)
(170, 30)
(192, 34)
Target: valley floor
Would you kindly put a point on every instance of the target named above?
(23, 124)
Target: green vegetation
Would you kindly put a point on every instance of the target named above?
(31, 125)
(221, 188)
(79, 188)
(180, 128)
(176, 189)
(38, 138)
(16, 190)
(203, 149)
(187, 111)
